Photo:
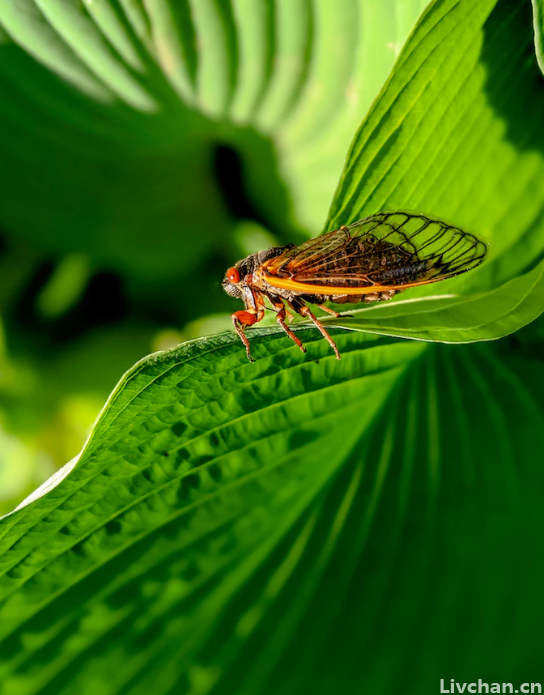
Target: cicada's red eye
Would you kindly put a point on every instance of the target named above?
(233, 275)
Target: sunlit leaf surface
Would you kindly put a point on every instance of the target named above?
(456, 133)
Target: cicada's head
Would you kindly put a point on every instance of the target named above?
(234, 277)
(231, 283)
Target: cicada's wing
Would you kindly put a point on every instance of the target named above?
(384, 251)
(444, 250)
(321, 249)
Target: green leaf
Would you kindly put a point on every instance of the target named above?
(456, 133)
(456, 318)
(232, 527)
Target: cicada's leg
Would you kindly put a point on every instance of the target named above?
(240, 319)
(336, 314)
(305, 311)
(253, 313)
(281, 313)
(289, 315)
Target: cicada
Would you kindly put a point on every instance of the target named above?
(370, 260)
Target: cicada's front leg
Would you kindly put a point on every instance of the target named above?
(248, 317)
(241, 319)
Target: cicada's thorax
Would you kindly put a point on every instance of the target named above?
(253, 287)
(259, 282)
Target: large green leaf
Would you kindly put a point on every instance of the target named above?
(287, 525)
